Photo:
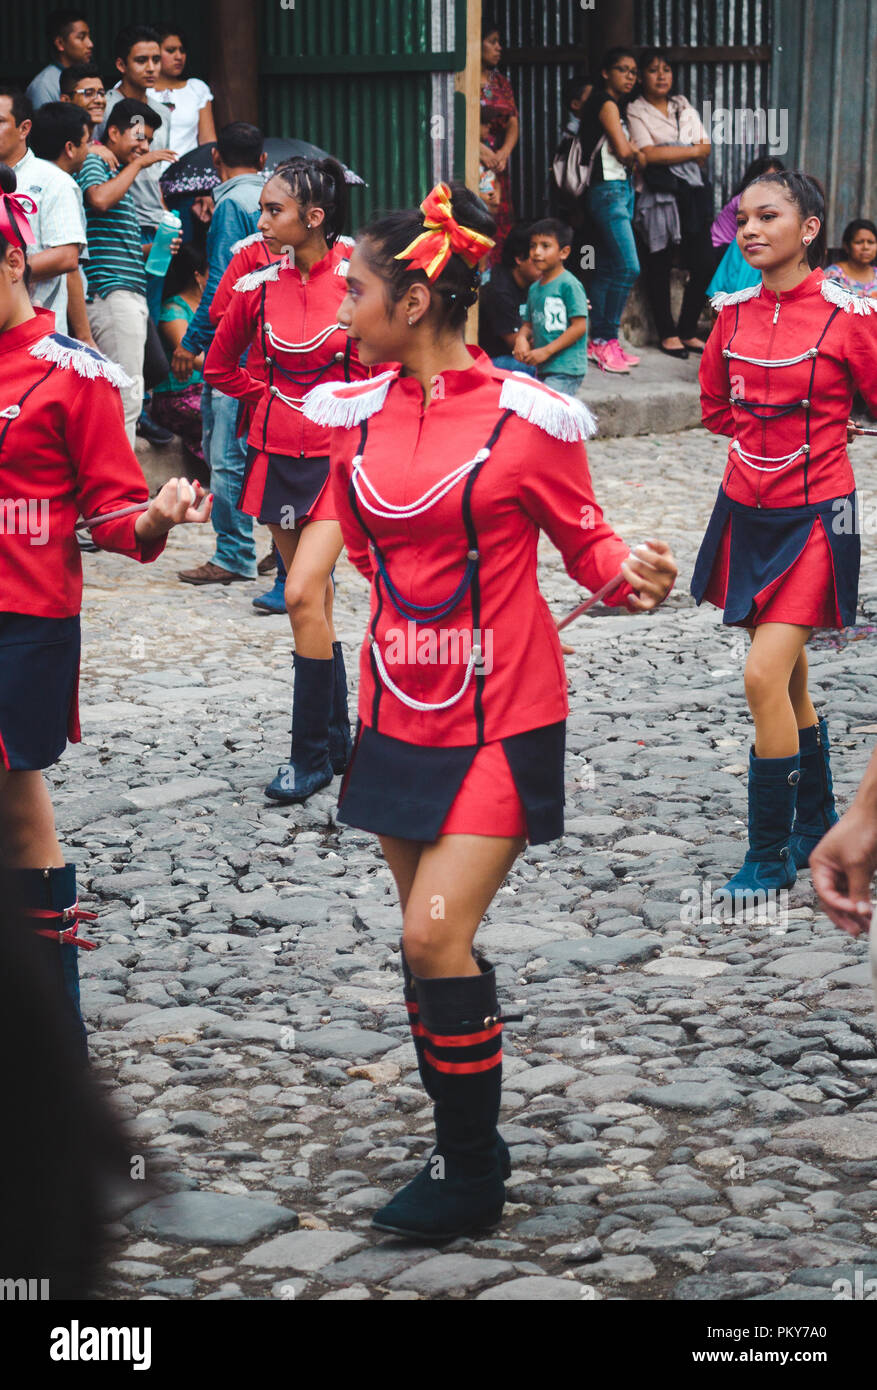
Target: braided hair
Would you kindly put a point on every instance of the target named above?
(317, 183)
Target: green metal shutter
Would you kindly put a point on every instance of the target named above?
(371, 81)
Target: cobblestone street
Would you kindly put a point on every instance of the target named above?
(690, 1104)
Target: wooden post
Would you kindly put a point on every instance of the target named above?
(234, 62)
(469, 83)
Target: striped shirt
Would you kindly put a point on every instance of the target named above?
(115, 246)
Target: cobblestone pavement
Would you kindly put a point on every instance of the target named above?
(690, 1104)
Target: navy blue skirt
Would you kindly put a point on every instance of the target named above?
(765, 542)
(39, 685)
(291, 487)
(406, 790)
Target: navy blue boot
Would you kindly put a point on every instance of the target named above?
(460, 1188)
(274, 601)
(768, 866)
(47, 897)
(340, 742)
(816, 811)
(427, 1074)
(308, 769)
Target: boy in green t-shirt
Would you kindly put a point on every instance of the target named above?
(553, 336)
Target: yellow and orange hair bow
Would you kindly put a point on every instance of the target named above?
(442, 235)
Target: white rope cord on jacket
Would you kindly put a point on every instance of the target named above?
(474, 660)
(316, 341)
(771, 362)
(784, 459)
(423, 503)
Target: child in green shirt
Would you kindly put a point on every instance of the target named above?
(553, 336)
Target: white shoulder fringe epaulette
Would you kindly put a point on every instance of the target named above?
(850, 303)
(563, 417)
(722, 300)
(85, 361)
(255, 278)
(246, 241)
(328, 405)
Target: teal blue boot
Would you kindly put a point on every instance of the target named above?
(816, 811)
(768, 867)
(308, 769)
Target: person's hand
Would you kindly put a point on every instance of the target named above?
(176, 244)
(852, 431)
(651, 571)
(521, 348)
(502, 160)
(536, 356)
(202, 207)
(178, 501)
(841, 868)
(640, 160)
(106, 155)
(182, 363)
(156, 157)
(489, 157)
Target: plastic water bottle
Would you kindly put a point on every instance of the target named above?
(168, 228)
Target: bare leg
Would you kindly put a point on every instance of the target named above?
(805, 714)
(309, 555)
(453, 885)
(27, 823)
(773, 656)
(402, 857)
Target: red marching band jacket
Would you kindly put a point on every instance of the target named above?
(251, 253)
(441, 510)
(63, 453)
(778, 375)
(294, 323)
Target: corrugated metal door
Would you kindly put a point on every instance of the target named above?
(23, 50)
(544, 44)
(721, 54)
(826, 80)
(372, 81)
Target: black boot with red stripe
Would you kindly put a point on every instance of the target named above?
(48, 898)
(460, 1189)
(427, 1074)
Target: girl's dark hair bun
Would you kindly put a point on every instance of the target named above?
(8, 181)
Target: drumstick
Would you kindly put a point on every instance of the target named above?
(589, 603)
(860, 429)
(130, 511)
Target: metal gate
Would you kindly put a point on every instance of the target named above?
(825, 78)
(372, 81)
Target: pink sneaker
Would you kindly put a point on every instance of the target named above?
(630, 358)
(609, 358)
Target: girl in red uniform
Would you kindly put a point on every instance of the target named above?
(290, 307)
(781, 552)
(444, 472)
(63, 450)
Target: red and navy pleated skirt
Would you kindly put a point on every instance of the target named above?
(39, 690)
(781, 564)
(284, 491)
(510, 788)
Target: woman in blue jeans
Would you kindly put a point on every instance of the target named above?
(606, 143)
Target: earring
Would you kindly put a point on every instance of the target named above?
(807, 240)
(410, 323)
